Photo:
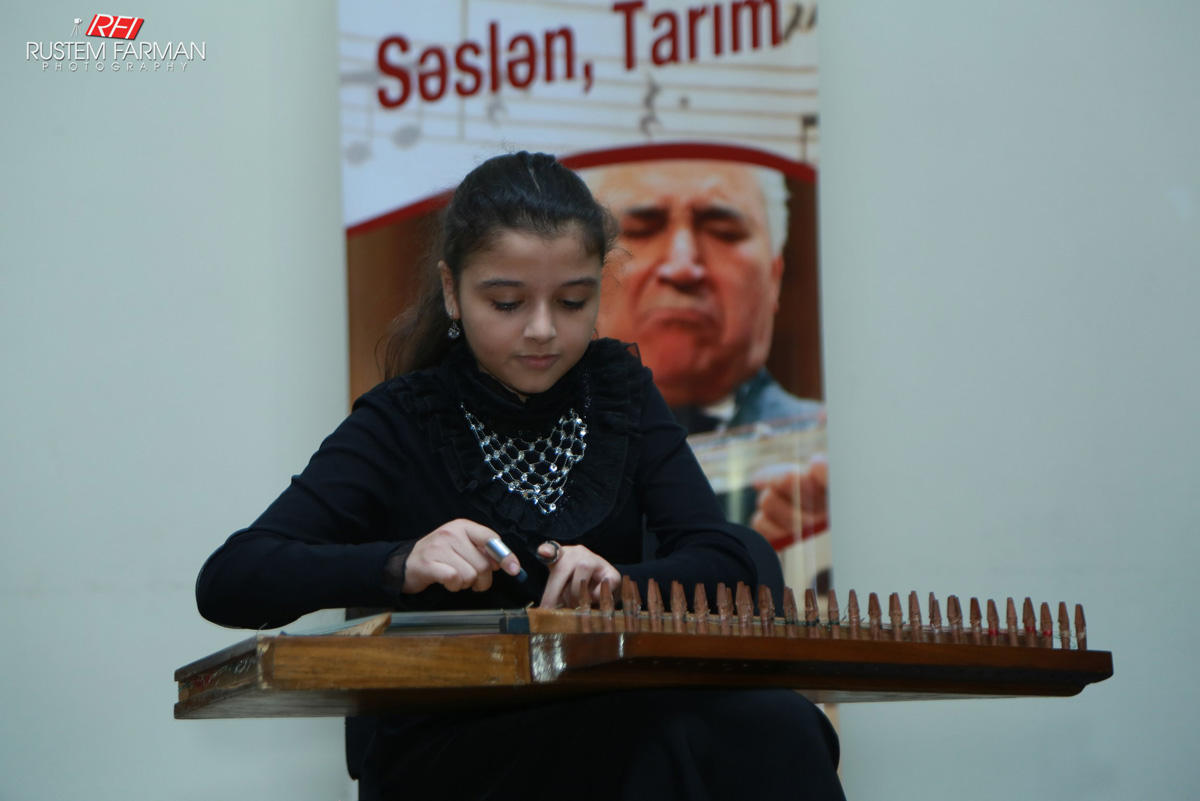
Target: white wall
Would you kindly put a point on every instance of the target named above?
(1010, 196)
(172, 320)
(1010, 203)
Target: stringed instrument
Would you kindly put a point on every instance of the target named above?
(409, 662)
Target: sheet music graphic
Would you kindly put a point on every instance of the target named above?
(764, 98)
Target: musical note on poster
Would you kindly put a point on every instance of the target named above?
(358, 148)
(407, 135)
(808, 122)
(649, 117)
(495, 108)
(801, 21)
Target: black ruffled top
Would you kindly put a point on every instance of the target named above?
(406, 462)
(605, 388)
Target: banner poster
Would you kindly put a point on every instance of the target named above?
(696, 124)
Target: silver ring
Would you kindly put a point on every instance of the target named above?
(550, 560)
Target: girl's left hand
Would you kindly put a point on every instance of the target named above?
(578, 573)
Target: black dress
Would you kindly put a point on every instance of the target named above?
(405, 462)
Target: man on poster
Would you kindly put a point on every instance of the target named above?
(697, 288)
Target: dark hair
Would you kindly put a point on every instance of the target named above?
(530, 192)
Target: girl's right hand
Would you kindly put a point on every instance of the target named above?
(455, 555)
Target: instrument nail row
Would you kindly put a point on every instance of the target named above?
(737, 614)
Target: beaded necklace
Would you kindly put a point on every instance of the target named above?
(535, 469)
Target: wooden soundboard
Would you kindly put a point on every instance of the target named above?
(396, 663)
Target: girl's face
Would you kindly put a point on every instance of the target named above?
(527, 306)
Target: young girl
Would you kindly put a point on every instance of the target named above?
(505, 417)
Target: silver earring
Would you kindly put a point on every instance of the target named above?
(453, 332)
